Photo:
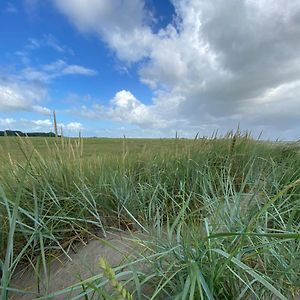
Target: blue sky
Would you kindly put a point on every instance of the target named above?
(151, 68)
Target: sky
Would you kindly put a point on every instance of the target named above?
(150, 68)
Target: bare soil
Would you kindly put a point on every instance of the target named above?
(116, 248)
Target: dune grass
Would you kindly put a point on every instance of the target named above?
(222, 214)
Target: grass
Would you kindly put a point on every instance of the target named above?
(222, 215)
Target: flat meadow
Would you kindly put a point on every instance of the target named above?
(212, 218)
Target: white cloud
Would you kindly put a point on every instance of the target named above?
(122, 24)
(26, 89)
(35, 44)
(7, 122)
(18, 96)
(47, 40)
(54, 70)
(51, 41)
(74, 126)
(26, 125)
(217, 64)
(44, 125)
(41, 109)
(78, 70)
(10, 99)
(124, 107)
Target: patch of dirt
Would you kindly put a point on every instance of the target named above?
(62, 272)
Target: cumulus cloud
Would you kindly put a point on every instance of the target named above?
(42, 123)
(217, 64)
(18, 96)
(122, 24)
(124, 107)
(73, 126)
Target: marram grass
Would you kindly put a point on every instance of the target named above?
(109, 273)
(221, 215)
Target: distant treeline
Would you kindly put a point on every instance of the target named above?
(20, 133)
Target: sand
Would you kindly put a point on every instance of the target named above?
(63, 272)
(116, 248)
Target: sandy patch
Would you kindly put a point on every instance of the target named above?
(117, 248)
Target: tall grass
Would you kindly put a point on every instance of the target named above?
(221, 215)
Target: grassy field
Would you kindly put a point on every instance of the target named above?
(222, 215)
(92, 146)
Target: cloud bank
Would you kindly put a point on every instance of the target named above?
(217, 64)
(43, 125)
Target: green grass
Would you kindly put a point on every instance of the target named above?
(223, 215)
(93, 147)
